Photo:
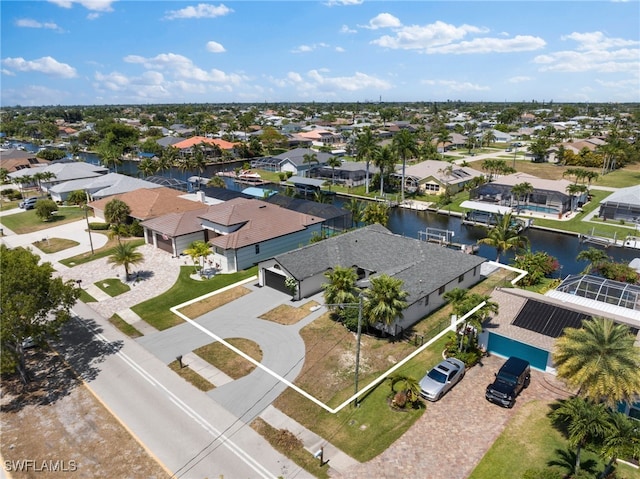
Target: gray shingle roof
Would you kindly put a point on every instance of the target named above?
(424, 267)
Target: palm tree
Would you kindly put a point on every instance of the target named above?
(341, 287)
(110, 154)
(488, 137)
(168, 159)
(217, 181)
(366, 146)
(125, 254)
(504, 236)
(622, 439)
(333, 162)
(574, 190)
(377, 212)
(521, 190)
(444, 137)
(404, 143)
(584, 420)
(385, 300)
(117, 231)
(593, 255)
(198, 250)
(356, 208)
(385, 162)
(148, 167)
(600, 360)
(116, 212)
(310, 158)
(408, 389)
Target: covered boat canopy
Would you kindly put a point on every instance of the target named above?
(486, 207)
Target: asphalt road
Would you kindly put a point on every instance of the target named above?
(190, 434)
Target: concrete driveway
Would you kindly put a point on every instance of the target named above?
(282, 347)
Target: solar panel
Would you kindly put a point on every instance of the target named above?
(548, 319)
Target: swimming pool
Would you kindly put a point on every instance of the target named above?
(539, 209)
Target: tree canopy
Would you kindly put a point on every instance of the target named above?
(34, 305)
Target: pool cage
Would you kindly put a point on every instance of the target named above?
(546, 201)
(267, 163)
(603, 290)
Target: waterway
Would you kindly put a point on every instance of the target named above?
(410, 223)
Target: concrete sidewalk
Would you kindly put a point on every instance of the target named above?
(338, 461)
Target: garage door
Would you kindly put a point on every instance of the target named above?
(510, 347)
(275, 281)
(164, 243)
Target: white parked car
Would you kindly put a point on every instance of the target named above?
(441, 378)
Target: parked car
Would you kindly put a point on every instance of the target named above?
(28, 204)
(441, 378)
(513, 377)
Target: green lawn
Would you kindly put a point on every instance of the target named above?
(103, 252)
(113, 286)
(28, 222)
(156, 312)
(531, 442)
(124, 327)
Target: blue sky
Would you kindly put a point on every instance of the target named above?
(85, 52)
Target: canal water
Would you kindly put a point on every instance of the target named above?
(410, 223)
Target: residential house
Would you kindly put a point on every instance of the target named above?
(147, 203)
(427, 270)
(242, 232)
(548, 196)
(14, 160)
(99, 187)
(349, 173)
(62, 171)
(623, 204)
(436, 177)
(208, 145)
(294, 161)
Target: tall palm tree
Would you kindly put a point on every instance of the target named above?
(309, 159)
(600, 360)
(384, 160)
(366, 146)
(504, 236)
(521, 190)
(404, 144)
(125, 254)
(217, 181)
(574, 190)
(488, 137)
(356, 208)
(168, 159)
(593, 256)
(443, 137)
(622, 439)
(340, 287)
(385, 300)
(148, 167)
(333, 162)
(584, 420)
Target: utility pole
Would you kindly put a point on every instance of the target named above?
(358, 336)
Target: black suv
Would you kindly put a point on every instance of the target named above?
(513, 377)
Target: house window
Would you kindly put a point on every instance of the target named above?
(441, 290)
(257, 249)
(426, 300)
(461, 278)
(475, 271)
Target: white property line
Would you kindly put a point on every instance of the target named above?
(285, 381)
(522, 272)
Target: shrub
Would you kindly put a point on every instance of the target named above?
(99, 226)
(282, 175)
(135, 229)
(543, 473)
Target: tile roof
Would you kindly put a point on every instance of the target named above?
(196, 140)
(257, 221)
(146, 203)
(538, 183)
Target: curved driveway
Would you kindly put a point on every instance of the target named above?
(282, 347)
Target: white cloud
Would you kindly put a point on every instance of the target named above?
(4, 71)
(31, 23)
(520, 43)
(34, 95)
(94, 5)
(595, 52)
(339, 3)
(423, 37)
(181, 67)
(383, 20)
(455, 86)
(357, 81)
(47, 65)
(309, 48)
(215, 47)
(202, 10)
(346, 29)
(340, 50)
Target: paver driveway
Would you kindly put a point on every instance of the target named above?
(453, 435)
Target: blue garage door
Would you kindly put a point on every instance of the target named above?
(510, 347)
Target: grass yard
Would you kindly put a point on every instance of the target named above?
(212, 302)
(191, 376)
(113, 286)
(28, 222)
(531, 442)
(86, 297)
(230, 363)
(103, 252)
(328, 374)
(53, 245)
(155, 311)
(287, 314)
(124, 327)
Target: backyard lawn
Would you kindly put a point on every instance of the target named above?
(28, 221)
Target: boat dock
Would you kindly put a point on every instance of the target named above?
(445, 238)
